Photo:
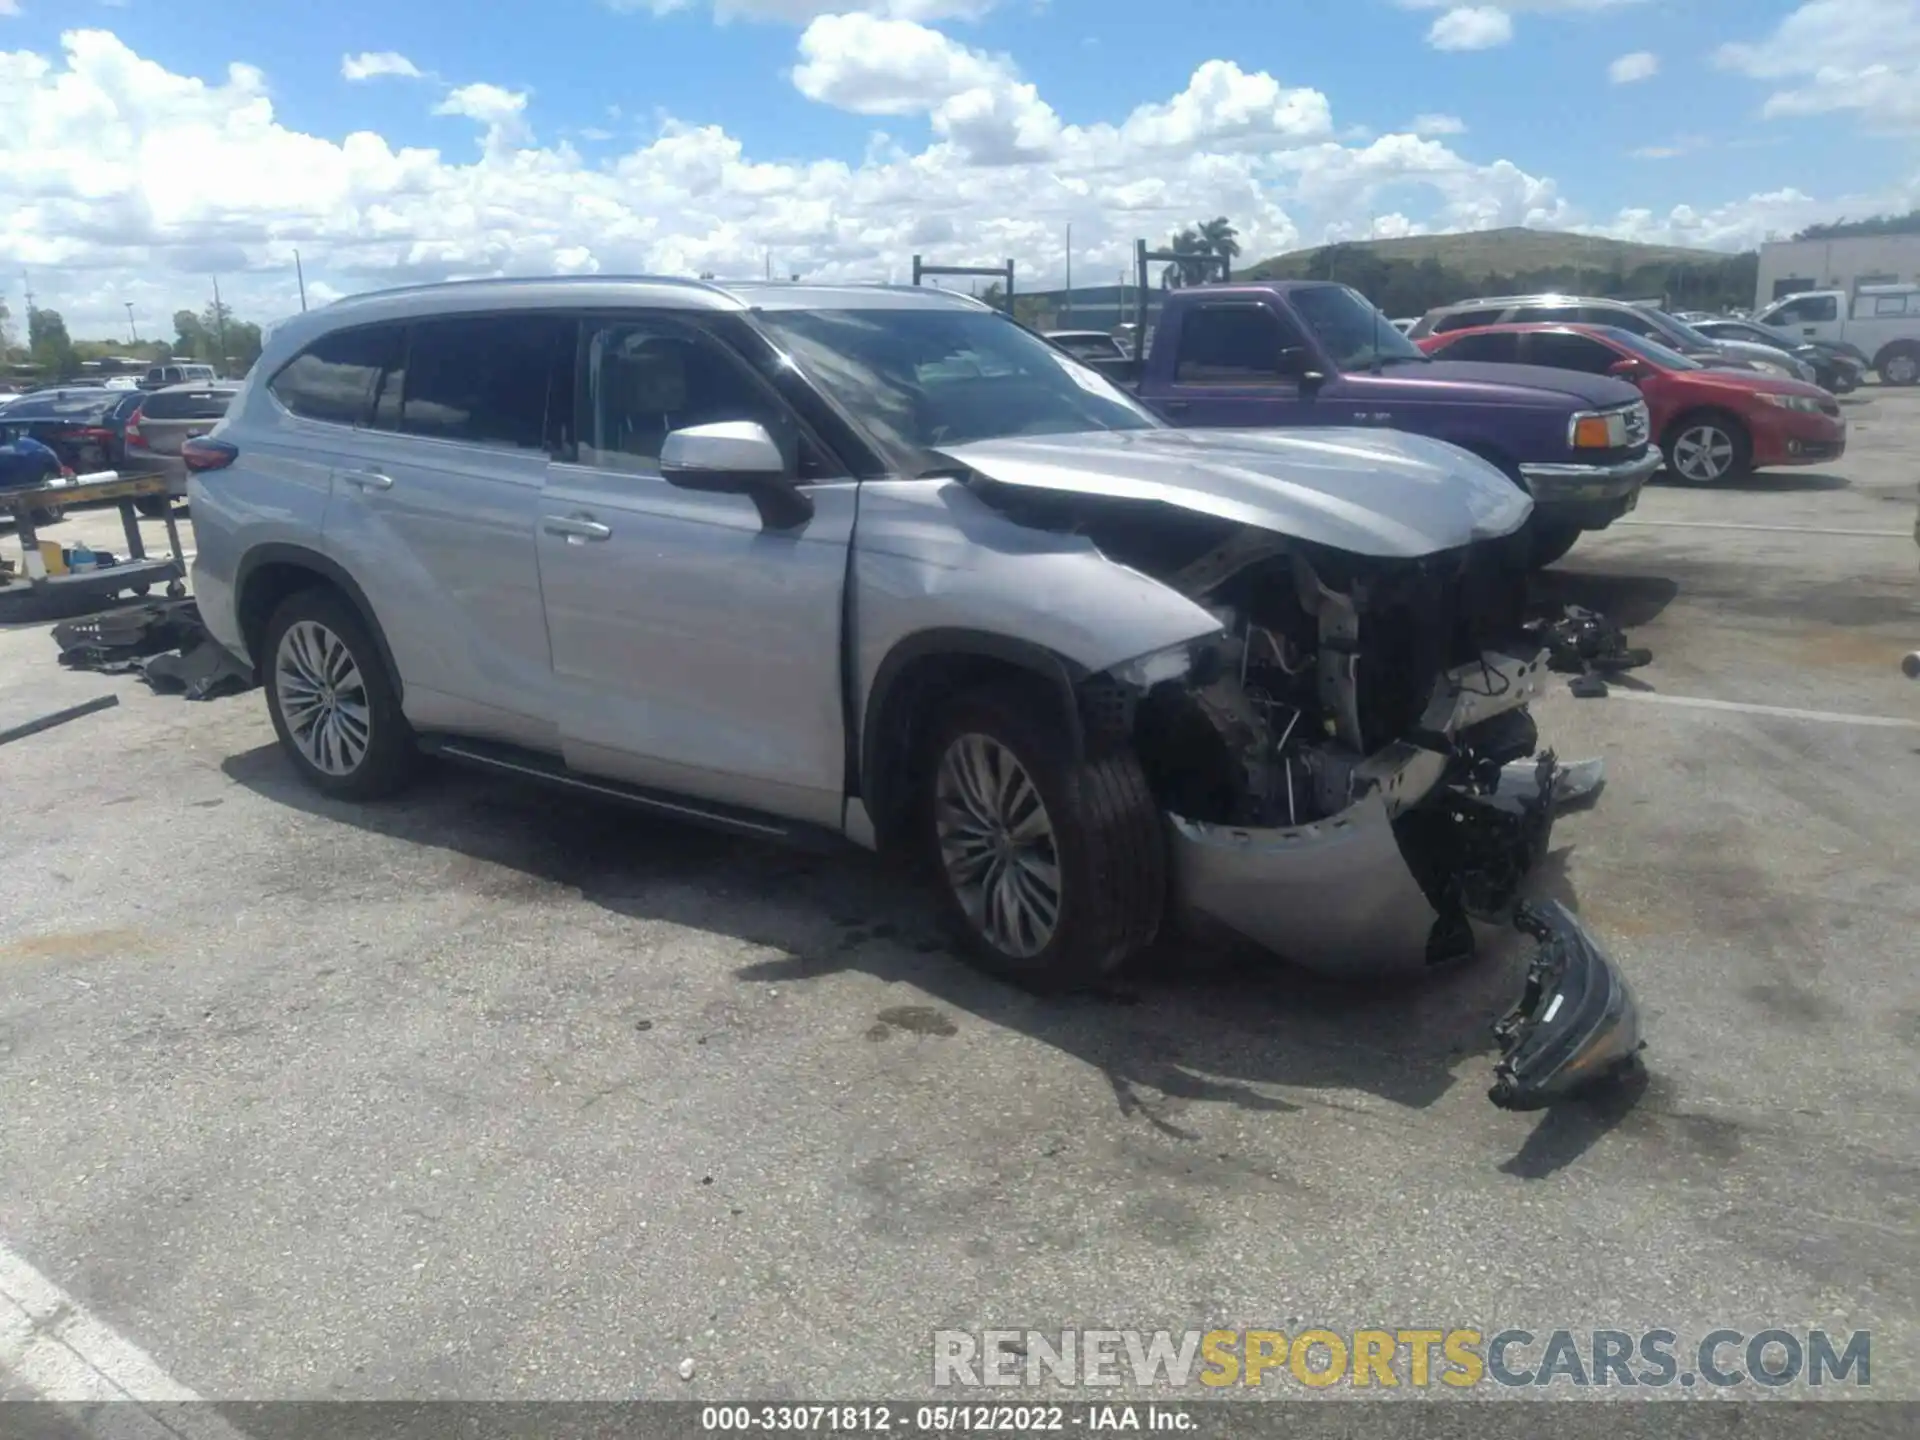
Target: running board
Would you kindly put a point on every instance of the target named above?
(550, 770)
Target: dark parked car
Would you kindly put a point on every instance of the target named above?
(1312, 353)
(86, 428)
(1837, 367)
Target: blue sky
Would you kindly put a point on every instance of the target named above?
(969, 127)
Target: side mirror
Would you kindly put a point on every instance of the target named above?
(1296, 362)
(736, 457)
(1627, 369)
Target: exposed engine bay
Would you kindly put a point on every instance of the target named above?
(1349, 768)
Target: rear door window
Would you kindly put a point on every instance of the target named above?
(1547, 314)
(1465, 320)
(1500, 348)
(1564, 350)
(333, 378)
(1231, 344)
(485, 380)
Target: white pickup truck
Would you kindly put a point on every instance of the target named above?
(1882, 322)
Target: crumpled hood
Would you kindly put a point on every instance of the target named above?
(1369, 492)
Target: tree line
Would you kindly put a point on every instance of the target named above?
(214, 336)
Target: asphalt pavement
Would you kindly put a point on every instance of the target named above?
(491, 1094)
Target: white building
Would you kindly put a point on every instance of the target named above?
(1790, 265)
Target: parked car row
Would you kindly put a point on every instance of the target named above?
(135, 432)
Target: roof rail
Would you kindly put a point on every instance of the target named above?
(710, 286)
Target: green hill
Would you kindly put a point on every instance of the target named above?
(1480, 254)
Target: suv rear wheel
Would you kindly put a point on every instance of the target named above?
(1052, 869)
(332, 703)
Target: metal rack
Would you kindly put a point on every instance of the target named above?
(39, 591)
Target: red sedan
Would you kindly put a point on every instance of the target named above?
(1712, 424)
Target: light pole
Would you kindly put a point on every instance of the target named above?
(133, 331)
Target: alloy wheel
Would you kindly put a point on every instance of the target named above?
(1901, 370)
(323, 698)
(1703, 453)
(997, 845)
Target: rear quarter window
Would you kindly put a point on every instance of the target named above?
(333, 378)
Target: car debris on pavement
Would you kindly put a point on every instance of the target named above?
(162, 642)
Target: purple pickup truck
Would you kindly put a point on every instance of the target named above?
(1312, 353)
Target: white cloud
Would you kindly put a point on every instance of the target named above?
(1839, 55)
(1471, 27)
(1628, 69)
(9, 7)
(1483, 27)
(1430, 125)
(371, 63)
(802, 12)
(103, 156)
(502, 111)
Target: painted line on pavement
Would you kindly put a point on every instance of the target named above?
(54, 1346)
(1778, 712)
(1770, 529)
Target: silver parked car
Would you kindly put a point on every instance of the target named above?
(881, 565)
(165, 421)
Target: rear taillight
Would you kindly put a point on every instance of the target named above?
(202, 453)
(134, 437)
(99, 434)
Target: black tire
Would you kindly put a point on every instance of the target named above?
(1551, 542)
(154, 507)
(391, 753)
(1690, 428)
(1898, 364)
(1108, 843)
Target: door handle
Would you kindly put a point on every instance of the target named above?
(576, 529)
(367, 479)
(1175, 407)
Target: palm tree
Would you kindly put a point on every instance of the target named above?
(1186, 271)
(1222, 240)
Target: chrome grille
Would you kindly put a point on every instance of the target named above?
(1637, 426)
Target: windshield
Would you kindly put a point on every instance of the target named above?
(1354, 331)
(921, 380)
(1681, 333)
(1649, 349)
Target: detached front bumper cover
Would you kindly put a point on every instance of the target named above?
(1575, 1025)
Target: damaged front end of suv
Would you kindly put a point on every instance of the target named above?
(1348, 768)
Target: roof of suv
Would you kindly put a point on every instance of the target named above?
(454, 297)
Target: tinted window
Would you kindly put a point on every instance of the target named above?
(1500, 348)
(1231, 343)
(1622, 317)
(1809, 311)
(1564, 350)
(1648, 349)
(647, 378)
(1465, 320)
(483, 379)
(187, 404)
(1547, 314)
(333, 377)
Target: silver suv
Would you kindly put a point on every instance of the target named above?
(883, 566)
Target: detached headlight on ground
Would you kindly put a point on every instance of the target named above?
(1804, 403)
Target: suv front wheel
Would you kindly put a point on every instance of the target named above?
(1053, 869)
(331, 700)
